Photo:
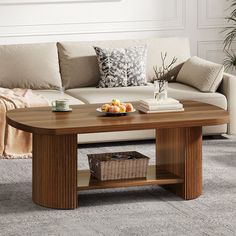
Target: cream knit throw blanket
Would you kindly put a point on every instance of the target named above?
(15, 143)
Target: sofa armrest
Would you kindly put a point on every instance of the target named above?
(228, 88)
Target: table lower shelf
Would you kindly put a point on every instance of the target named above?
(155, 176)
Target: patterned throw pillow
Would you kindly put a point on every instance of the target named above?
(136, 70)
(122, 67)
(112, 66)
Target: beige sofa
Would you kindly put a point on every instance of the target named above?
(47, 67)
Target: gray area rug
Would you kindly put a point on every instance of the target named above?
(134, 211)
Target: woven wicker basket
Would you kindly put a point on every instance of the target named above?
(119, 165)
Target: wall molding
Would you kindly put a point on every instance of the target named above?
(213, 51)
(204, 18)
(24, 2)
(174, 22)
(83, 28)
(205, 48)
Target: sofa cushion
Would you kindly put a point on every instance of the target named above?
(184, 92)
(77, 57)
(201, 74)
(32, 66)
(103, 95)
(175, 90)
(52, 95)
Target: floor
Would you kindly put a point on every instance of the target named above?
(134, 211)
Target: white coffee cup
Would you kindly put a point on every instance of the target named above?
(61, 105)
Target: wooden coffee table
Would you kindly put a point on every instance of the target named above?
(56, 179)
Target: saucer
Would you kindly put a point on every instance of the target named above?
(55, 110)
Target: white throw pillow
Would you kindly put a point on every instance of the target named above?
(32, 66)
(201, 74)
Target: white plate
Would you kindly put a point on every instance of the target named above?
(114, 113)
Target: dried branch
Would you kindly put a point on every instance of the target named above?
(160, 74)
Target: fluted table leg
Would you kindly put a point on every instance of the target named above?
(179, 151)
(55, 171)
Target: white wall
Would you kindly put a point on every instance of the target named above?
(58, 20)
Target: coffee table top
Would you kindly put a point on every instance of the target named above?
(85, 119)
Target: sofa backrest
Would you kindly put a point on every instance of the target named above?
(32, 66)
(78, 62)
(36, 66)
